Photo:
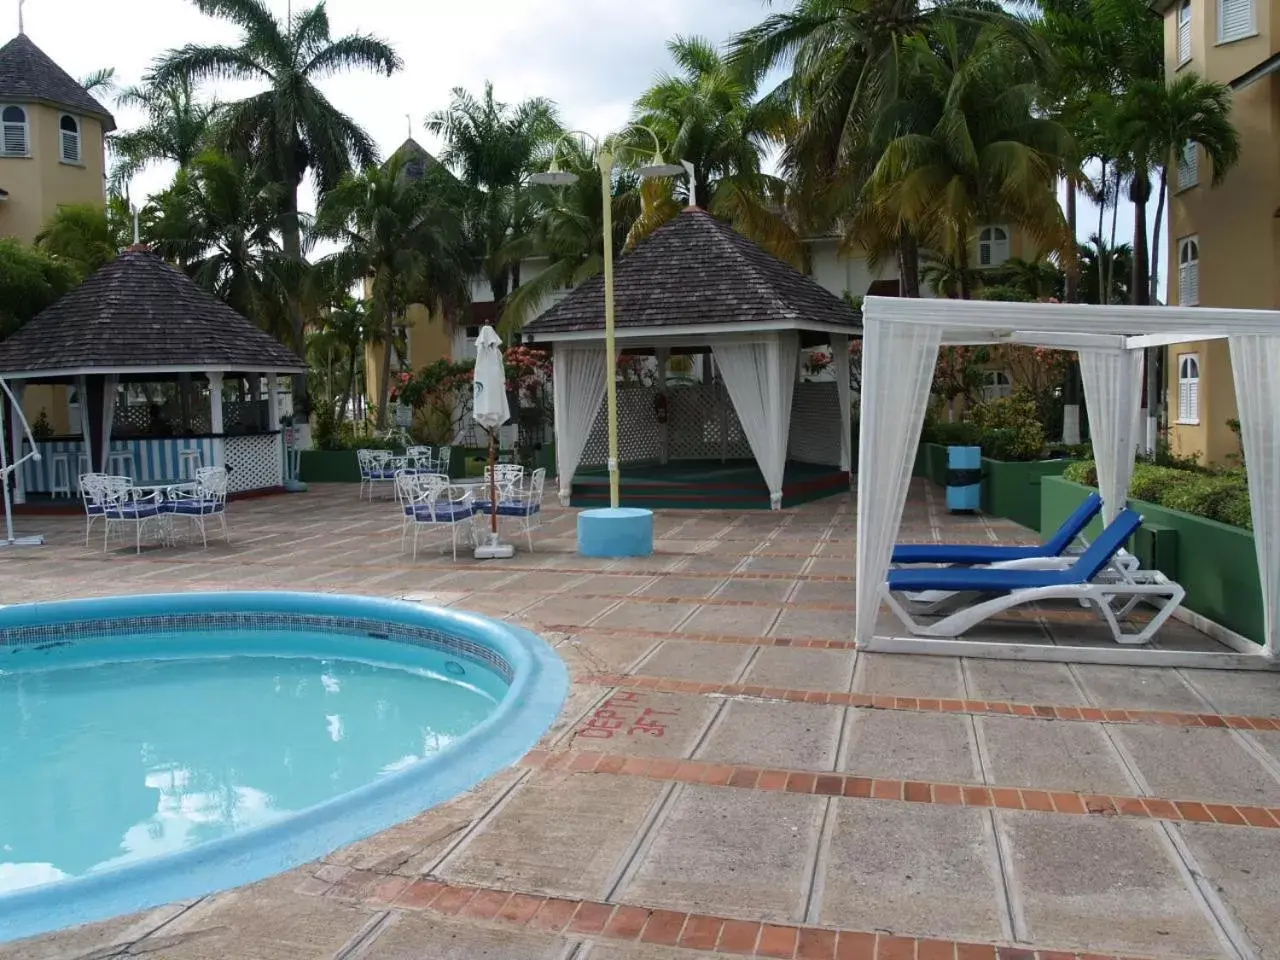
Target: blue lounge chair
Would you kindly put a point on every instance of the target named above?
(1078, 580)
(978, 554)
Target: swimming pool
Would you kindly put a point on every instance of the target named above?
(158, 748)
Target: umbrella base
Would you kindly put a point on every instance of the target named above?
(493, 549)
(36, 541)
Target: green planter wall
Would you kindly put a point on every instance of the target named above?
(328, 466)
(1010, 489)
(1215, 563)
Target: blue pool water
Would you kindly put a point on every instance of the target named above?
(160, 748)
(122, 761)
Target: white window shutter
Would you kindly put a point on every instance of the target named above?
(1235, 19)
(15, 139)
(70, 146)
(1188, 166)
(1193, 395)
(1184, 40)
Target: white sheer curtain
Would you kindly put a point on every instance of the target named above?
(1113, 396)
(760, 376)
(840, 369)
(897, 371)
(578, 385)
(1254, 362)
(111, 381)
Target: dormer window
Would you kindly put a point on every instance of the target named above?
(14, 132)
(69, 138)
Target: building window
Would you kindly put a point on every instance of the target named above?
(1189, 165)
(473, 331)
(1235, 20)
(1188, 388)
(14, 139)
(1184, 32)
(996, 384)
(69, 138)
(993, 246)
(1189, 272)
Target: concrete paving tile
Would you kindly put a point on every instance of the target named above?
(734, 621)
(90, 939)
(674, 585)
(570, 610)
(1197, 764)
(731, 852)
(814, 624)
(744, 588)
(911, 746)
(562, 836)
(415, 936)
(1251, 692)
(1051, 755)
(1244, 867)
(1020, 681)
(260, 920)
(797, 668)
(1149, 688)
(539, 581)
(797, 736)
(1102, 885)
(610, 584)
(697, 660)
(645, 616)
(606, 654)
(822, 591)
(764, 563)
(672, 724)
(909, 676)
(913, 869)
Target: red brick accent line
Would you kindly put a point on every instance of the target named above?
(670, 928)
(873, 701)
(912, 791)
(734, 638)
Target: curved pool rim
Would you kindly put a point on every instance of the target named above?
(535, 694)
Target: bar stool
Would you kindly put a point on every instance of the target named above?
(189, 462)
(121, 462)
(60, 475)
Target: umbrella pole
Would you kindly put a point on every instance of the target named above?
(493, 483)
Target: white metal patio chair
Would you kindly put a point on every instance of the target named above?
(93, 494)
(201, 501)
(436, 503)
(521, 500)
(125, 504)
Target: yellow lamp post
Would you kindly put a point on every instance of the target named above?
(655, 168)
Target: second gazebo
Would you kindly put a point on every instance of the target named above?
(712, 408)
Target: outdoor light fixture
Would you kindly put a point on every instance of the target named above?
(655, 168)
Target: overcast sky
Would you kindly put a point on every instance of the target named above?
(592, 57)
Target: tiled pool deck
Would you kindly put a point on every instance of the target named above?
(730, 777)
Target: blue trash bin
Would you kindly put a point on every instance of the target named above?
(964, 479)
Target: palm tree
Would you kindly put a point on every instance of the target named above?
(1160, 119)
(406, 235)
(290, 127)
(710, 113)
(87, 236)
(178, 128)
(1039, 279)
(847, 72)
(570, 233)
(1105, 267)
(217, 222)
(971, 146)
(493, 147)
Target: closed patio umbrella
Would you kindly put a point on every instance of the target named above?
(490, 409)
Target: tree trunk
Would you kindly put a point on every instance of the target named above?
(1102, 265)
(908, 264)
(384, 391)
(1115, 215)
(1155, 233)
(1073, 264)
(1140, 194)
(291, 244)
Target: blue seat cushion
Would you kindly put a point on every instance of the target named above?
(444, 513)
(195, 508)
(975, 553)
(518, 508)
(981, 579)
(134, 511)
(95, 509)
(383, 475)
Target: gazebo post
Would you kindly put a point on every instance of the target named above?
(91, 417)
(662, 355)
(215, 419)
(82, 391)
(15, 435)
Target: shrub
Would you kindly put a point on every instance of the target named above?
(1222, 496)
(1011, 428)
(1083, 471)
(960, 434)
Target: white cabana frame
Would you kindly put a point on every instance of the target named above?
(901, 338)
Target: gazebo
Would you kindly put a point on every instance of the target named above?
(900, 349)
(699, 290)
(165, 375)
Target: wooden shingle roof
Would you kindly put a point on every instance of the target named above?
(138, 314)
(695, 271)
(29, 75)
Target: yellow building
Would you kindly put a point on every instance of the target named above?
(1224, 242)
(51, 153)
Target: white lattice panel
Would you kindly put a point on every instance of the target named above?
(815, 423)
(639, 436)
(703, 425)
(255, 462)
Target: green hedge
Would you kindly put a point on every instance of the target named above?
(1223, 496)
